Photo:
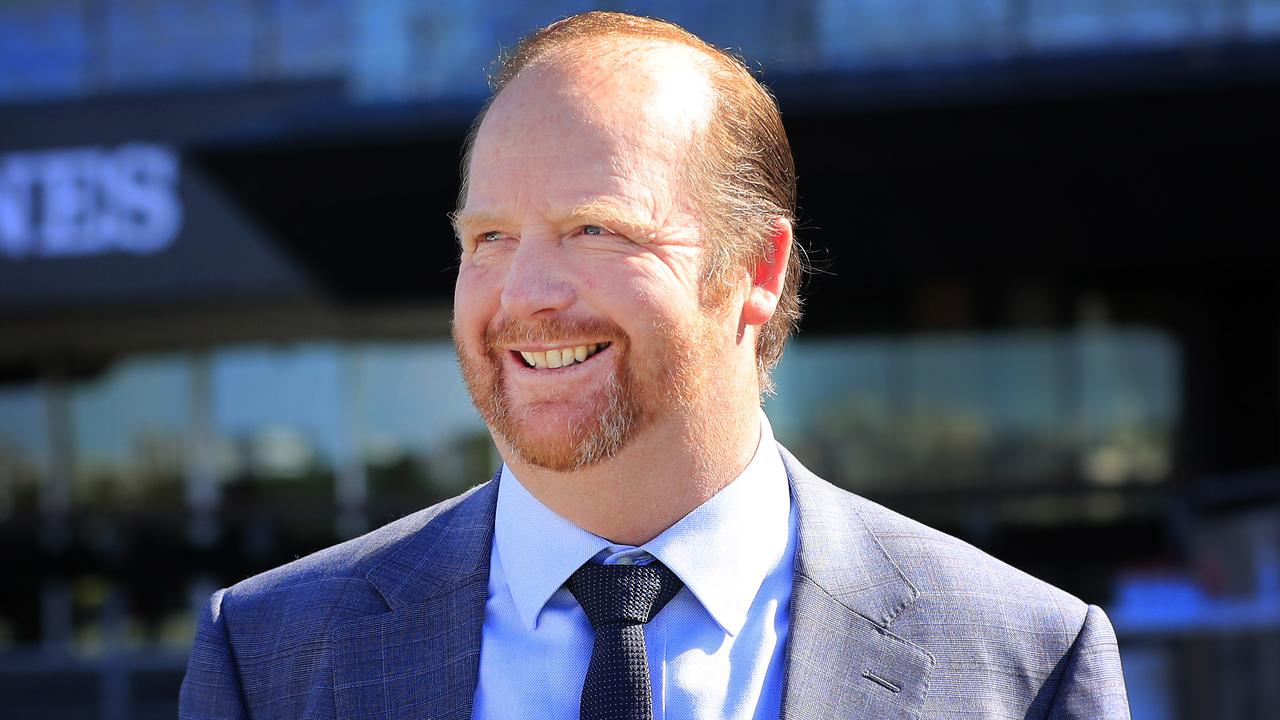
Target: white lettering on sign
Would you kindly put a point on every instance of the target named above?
(89, 201)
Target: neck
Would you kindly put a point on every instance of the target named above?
(663, 474)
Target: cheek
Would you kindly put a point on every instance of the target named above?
(611, 284)
(671, 274)
(683, 273)
(592, 284)
(475, 298)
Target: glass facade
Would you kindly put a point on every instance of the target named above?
(24, 450)
(129, 494)
(1090, 407)
(389, 50)
(127, 436)
(219, 463)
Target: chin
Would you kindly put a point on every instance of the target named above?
(554, 454)
(567, 444)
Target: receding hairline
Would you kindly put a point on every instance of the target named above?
(571, 37)
(596, 62)
(568, 39)
(616, 46)
(608, 57)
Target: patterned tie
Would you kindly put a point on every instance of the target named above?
(619, 600)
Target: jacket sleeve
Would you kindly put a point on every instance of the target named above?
(211, 689)
(1092, 684)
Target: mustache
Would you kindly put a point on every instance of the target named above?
(508, 331)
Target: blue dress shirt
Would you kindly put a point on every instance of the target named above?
(715, 651)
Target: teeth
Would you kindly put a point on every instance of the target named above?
(561, 357)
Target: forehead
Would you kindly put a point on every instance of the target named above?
(622, 83)
(626, 116)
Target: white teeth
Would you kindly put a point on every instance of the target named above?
(561, 357)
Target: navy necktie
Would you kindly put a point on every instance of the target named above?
(619, 600)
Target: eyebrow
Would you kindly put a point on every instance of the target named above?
(605, 212)
(611, 215)
(470, 218)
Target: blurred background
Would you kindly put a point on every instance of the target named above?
(1046, 318)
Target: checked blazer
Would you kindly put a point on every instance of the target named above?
(889, 619)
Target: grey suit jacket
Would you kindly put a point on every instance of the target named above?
(890, 619)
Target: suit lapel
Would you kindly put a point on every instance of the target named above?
(420, 661)
(842, 659)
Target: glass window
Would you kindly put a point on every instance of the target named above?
(877, 31)
(835, 408)
(421, 439)
(424, 48)
(1015, 410)
(24, 452)
(151, 42)
(1264, 18)
(983, 408)
(129, 430)
(24, 449)
(1078, 23)
(276, 414)
(42, 48)
(315, 37)
(1128, 406)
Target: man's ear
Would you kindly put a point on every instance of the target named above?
(769, 275)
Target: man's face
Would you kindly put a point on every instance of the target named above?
(576, 312)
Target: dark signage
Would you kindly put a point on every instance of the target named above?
(129, 225)
(84, 202)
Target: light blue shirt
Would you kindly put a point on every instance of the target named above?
(715, 651)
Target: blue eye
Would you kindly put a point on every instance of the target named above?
(592, 230)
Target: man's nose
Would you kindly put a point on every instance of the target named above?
(537, 280)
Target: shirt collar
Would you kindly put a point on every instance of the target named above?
(538, 548)
(722, 551)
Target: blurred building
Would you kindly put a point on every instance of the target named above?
(1046, 315)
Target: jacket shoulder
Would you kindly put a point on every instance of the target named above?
(1001, 642)
(939, 564)
(1004, 641)
(337, 577)
(932, 562)
(272, 632)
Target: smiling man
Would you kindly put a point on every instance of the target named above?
(626, 283)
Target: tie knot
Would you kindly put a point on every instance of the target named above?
(623, 594)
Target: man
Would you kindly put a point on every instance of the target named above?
(627, 279)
